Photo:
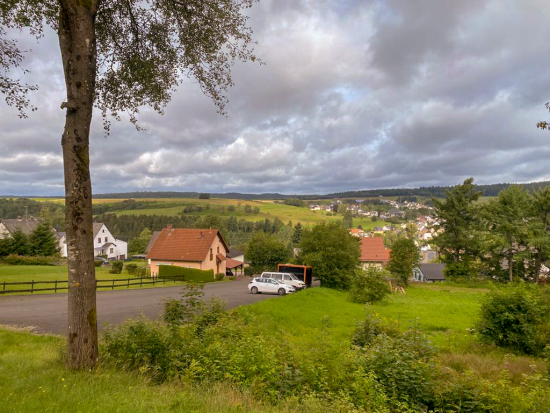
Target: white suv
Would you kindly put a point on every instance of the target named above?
(268, 285)
(285, 278)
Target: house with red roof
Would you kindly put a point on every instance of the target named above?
(373, 252)
(202, 249)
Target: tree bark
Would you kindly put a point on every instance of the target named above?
(78, 50)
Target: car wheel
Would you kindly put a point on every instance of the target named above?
(254, 290)
(282, 291)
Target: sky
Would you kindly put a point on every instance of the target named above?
(353, 95)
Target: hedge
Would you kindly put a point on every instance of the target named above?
(29, 260)
(189, 274)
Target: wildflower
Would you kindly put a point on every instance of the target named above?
(62, 379)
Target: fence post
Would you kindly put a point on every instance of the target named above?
(140, 282)
(55, 290)
(113, 286)
(128, 286)
(32, 286)
(4, 286)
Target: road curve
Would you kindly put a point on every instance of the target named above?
(48, 313)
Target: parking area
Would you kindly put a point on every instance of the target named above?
(48, 313)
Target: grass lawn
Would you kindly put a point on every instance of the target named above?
(26, 273)
(33, 378)
(442, 312)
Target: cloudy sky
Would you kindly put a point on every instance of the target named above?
(354, 95)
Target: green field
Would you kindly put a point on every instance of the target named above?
(268, 210)
(441, 311)
(27, 273)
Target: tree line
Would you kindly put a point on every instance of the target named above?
(507, 237)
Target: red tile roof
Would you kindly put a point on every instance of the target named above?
(372, 249)
(231, 263)
(182, 244)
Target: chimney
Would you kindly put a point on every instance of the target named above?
(210, 230)
(201, 236)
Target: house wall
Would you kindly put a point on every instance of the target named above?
(211, 264)
(155, 263)
(368, 264)
(4, 232)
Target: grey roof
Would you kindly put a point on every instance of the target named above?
(25, 226)
(97, 227)
(152, 241)
(60, 234)
(433, 271)
(234, 252)
(105, 246)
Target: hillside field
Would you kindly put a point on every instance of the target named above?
(268, 210)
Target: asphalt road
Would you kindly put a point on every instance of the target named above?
(48, 313)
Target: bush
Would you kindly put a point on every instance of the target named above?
(406, 367)
(367, 330)
(26, 260)
(98, 263)
(131, 268)
(369, 286)
(219, 276)
(514, 318)
(188, 274)
(249, 271)
(116, 267)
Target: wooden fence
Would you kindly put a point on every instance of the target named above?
(62, 285)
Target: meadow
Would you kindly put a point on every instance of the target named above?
(439, 310)
(218, 207)
(27, 273)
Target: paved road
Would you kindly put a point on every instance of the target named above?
(48, 313)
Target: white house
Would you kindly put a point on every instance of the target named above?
(105, 244)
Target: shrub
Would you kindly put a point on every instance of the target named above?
(219, 276)
(116, 267)
(249, 271)
(514, 318)
(367, 330)
(405, 366)
(26, 260)
(369, 286)
(188, 274)
(131, 268)
(98, 263)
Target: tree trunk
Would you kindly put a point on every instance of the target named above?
(78, 50)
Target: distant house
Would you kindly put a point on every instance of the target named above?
(373, 252)
(203, 249)
(9, 226)
(62, 240)
(429, 273)
(236, 254)
(105, 244)
(357, 232)
(152, 241)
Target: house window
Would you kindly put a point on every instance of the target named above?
(106, 239)
(211, 255)
(112, 250)
(103, 231)
(218, 249)
(99, 240)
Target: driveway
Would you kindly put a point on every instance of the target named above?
(48, 313)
